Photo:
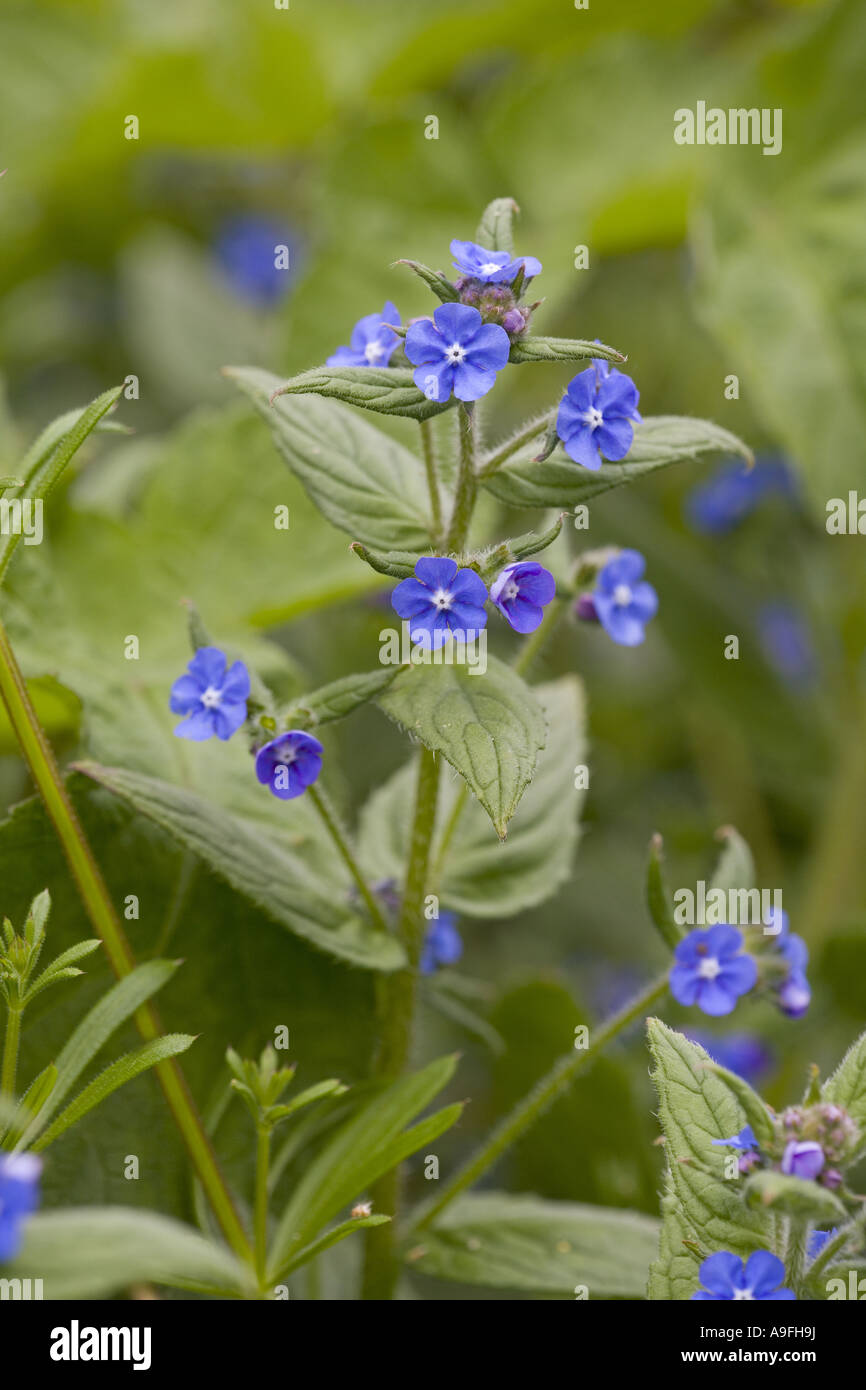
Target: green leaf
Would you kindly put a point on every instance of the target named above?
(756, 1113)
(257, 865)
(434, 279)
(478, 875)
(94, 1252)
(123, 1070)
(490, 727)
(333, 1237)
(384, 390)
(847, 1086)
(658, 897)
(529, 348)
(518, 548)
(736, 867)
(29, 1106)
(365, 1147)
(547, 1248)
(362, 481)
(559, 482)
(768, 1190)
(397, 564)
(495, 231)
(114, 1008)
(696, 1107)
(341, 697)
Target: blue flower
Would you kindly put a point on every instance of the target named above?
(456, 352)
(727, 1278)
(787, 643)
(817, 1241)
(493, 267)
(213, 699)
(803, 1158)
(440, 600)
(442, 944)
(289, 764)
(622, 601)
(520, 592)
(372, 342)
(733, 491)
(792, 990)
(744, 1140)
(246, 247)
(595, 414)
(743, 1053)
(19, 1196)
(712, 970)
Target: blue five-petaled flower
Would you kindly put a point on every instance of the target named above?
(289, 764)
(372, 343)
(19, 1196)
(622, 600)
(712, 970)
(456, 352)
(213, 698)
(595, 415)
(493, 267)
(442, 944)
(745, 1140)
(726, 1277)
(520, 592)
(439, 601)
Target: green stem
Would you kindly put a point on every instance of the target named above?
(536, 640)
(100, 909)
(332, 824)
(543, 1094)
(531, 430)
(10, 1054)
(260, 1221)
(467, 486)
(449, 832)
(429, 452)
(397, 1007)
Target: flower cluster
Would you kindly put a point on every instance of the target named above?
(19, 1196)
(810, 1142)
(715, 966)
(442, 601)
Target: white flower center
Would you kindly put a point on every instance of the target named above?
(511, 590)
(373, 351)
(709, 968)
(740, 1294)
(442, 599)
(490, 268)
(211, 697)
(593, 417)
(455, 353)
(622, 595)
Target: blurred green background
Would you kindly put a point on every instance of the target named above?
(306, 126)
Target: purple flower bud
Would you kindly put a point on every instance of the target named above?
(803, 1159)
(514, 322)
(832, 1178)
(585, 609)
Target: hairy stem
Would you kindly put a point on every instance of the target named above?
(467, 485)
(536, 640)
(260, 1220)
(10, 1054)
(335, 830)
(397, 1007)
(429, 451)
(533, 1105)
(100, 909)
(531, 430)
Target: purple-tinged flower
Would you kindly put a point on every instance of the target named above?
(727, 1278)
(803, 1158)
(734, 490)
(493, 267)
(520, 592)
(441, 600)
(712, 970)
(744, 1140)
(793, 993)
(19, 1196)
(213, 698)
(247, 248)
(817, 1241)
(455, 352)
(372, 343)
(787, 643)
(595, 415)
(289, 764)
(622, 601)
(743, 1053)
(442, 944)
